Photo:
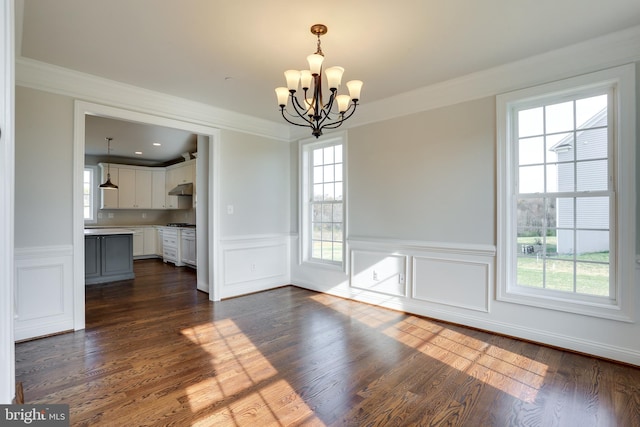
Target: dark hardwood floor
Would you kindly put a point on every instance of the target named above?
(157, 352)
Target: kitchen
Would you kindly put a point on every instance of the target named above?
(152, 212)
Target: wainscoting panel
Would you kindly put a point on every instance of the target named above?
(44, 291)
(379, 272)
(454, 282)
(252, 264)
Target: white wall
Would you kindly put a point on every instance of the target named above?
(7, 147)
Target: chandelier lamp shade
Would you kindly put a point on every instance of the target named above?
(108, 185)
(310, 110)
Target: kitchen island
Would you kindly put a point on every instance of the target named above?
(108, 255)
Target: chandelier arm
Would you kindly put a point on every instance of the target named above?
(325, 111)
(343, 117)
(299, 109)
(306, 125)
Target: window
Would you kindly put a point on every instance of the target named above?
(565, 195)
(322, 210)
(89, 194)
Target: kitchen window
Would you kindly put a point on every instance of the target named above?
(322, 201)
(566, 190)
(90, 194)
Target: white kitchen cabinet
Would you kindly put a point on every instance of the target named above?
(138, 242)
(144, 242)
(134, 188)
(159, 241)
(159, 189)
(182, 173)
(141, 187)
(188, 246)
(171, 246)
(150, 238)
(109, 197)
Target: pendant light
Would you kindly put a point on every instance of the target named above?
(108, 185)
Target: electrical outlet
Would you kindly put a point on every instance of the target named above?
(253, 267)
(144, 215)
(375, 275)
(110, 215)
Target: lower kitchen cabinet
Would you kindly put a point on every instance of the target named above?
(188, 244)
(171, 246)
(144, 242)
(108, 258)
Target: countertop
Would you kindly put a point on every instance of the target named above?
(106, 231)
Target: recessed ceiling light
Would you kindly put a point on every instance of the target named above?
(138, 152)
(156, 144)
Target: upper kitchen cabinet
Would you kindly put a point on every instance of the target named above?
(142, 187)
(159, 189)
(181, 173)
(134, 188)
(109, 197)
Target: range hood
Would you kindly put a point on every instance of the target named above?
(182, 190)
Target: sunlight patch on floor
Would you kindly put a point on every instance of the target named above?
(255, 390)
(509, 372)
(362, 313)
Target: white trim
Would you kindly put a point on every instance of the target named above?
(611, 50)
(623, 79)
(419, 245)
(81, 109)
(7, 185)
(494, 320)
(251, 263)
(35, 316)
(50, 78)
(614, 49)
(95, 199)
(305, 147)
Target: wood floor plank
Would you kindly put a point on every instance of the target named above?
(156, 351)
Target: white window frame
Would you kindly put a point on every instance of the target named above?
(621, 81)
(94, 194)
(306, 148)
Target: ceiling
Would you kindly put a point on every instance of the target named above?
(231, 54)
(137, 142)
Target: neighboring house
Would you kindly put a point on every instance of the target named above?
(590, 149)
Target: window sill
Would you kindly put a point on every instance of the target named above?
(594, 307)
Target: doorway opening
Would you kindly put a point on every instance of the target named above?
(207, 200)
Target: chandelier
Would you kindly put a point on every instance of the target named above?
(311, 111)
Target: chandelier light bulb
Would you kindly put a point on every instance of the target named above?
(334, 77)
(283, 95)
(293, 78)
(305, 79)
(354, 86)
(343, 103)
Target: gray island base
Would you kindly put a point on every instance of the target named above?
(108, 255)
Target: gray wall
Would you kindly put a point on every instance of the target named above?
(429, 176)
(254, 175)
(44, 169)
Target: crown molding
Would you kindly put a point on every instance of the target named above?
(51, 78)
(611, 50)
(596, 54)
